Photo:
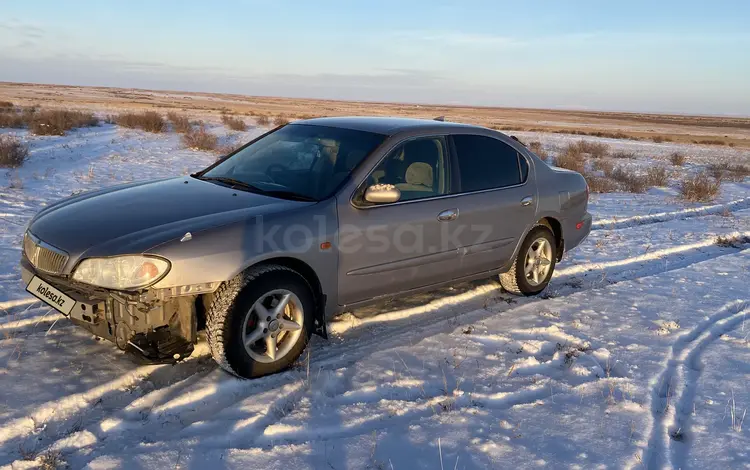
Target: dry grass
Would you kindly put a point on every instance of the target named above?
(236, 124)
(538, 149)
(229, 148)
(610, 135)
(638, 135)
(27, 454)
(46, 122)
(57, 121)
(599, 184)
(595, 149)
(180, 123)
(730, 241)
(728, 172)
(605, 166)
(699, 188)
(280, 120)
(631, 182)
(657, 176)
(677, 158)
(571, 158)
(13, 152)
(605, 134)
(262, 120)
(12, 120)
(711, 142)
(51, 460)
(200, 139)
(149, 121)
(6, 105)
(623, 154)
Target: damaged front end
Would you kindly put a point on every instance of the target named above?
(159, 324)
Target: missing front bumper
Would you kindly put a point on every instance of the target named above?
(154, 325)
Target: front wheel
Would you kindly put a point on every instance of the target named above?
(534, 264)
(260, 322)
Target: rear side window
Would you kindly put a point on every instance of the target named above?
(487, 163)
(524, 165)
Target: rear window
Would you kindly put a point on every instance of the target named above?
(487, 163)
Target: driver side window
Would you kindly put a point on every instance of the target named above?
(417, 168)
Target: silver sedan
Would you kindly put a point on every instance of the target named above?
(310, 219)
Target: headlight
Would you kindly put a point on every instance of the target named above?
(122, 272)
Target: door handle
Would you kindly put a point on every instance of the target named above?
(446, 216)
(527, 200)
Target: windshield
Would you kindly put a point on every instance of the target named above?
(299, 159)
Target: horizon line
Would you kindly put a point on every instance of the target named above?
(415, 103)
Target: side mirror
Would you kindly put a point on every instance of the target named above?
(382, 193)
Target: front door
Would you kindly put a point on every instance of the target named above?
(394, 247)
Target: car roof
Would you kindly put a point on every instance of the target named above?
(384, 125)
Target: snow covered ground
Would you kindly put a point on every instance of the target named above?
(637, 356)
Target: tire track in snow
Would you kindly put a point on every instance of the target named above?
(10, 326)
(426, 318)
(8, 306)
(669, 438)
(738, 238)
(68, 407)
(79, 410)
(693, 366)
(420, 409)
(626, 222)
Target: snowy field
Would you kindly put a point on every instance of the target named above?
(637, 356)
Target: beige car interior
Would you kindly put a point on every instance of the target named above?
(416, 168)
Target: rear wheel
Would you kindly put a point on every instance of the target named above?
(534, 264)
(259, 322)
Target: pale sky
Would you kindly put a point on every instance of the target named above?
(653, 56)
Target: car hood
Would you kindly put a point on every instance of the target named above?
(136, 217)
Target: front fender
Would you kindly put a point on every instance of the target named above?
(219, 254)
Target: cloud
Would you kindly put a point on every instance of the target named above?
(24, 30)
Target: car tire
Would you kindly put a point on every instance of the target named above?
(539, 243)
(234, 318)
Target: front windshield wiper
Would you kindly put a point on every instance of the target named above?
(284, 194)
(280, 193)
(232, 182)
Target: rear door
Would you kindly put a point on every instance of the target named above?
(497, 200)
